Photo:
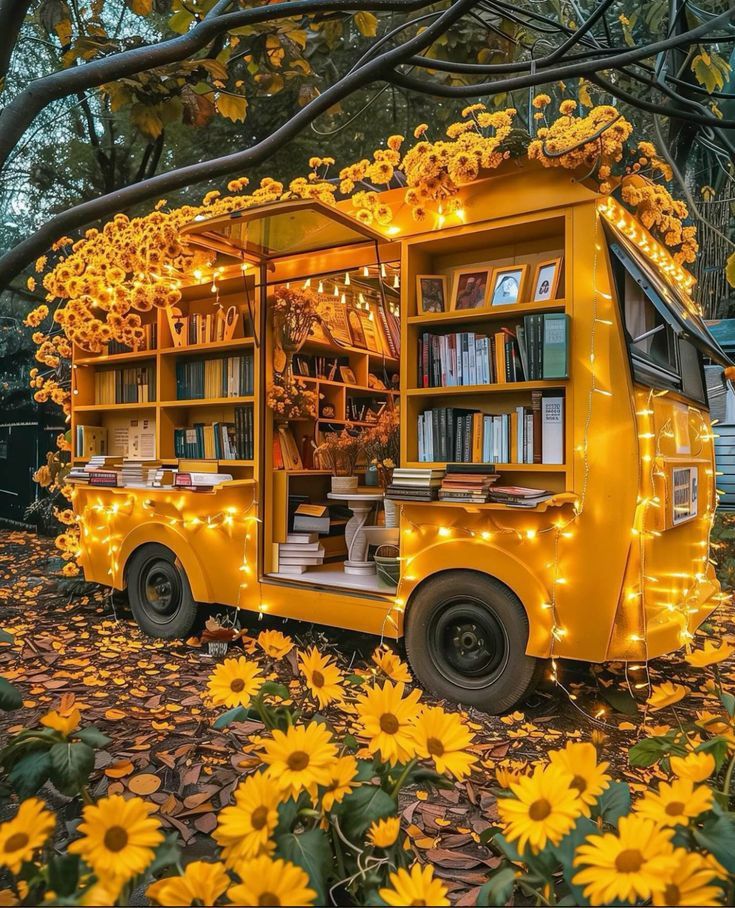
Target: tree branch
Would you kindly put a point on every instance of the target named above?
(12, 16)
(26, 251)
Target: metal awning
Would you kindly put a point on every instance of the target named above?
(281, 229)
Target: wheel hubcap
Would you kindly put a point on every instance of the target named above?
(160, 589)
(468, 643)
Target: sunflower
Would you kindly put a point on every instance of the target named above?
(579, 759)
(391, 666)
(666, 694)
(95, 892)
(323, 678)
(689, 882)
(118, 837)
(233, 682)
(545, 808)
(675, 803)
(696, 766)
(245, 827)
(27, 831)
(415, 887)
(631, 864)
(386, 718)
(383, 833)
(710, 654)
(200, 882)
(342, 780)
(301, 757)
(275, 644)
(444, 737)
(508, 771)
(271, 882)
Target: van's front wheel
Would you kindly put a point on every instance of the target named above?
(159, 593)
(466, 637)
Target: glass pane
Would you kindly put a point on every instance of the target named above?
(650, 336)
(691, 370)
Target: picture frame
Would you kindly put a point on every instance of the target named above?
(354, 324)
(508, 285)
(347, 375)
(471, 287)
(546, 280)
(431, 294)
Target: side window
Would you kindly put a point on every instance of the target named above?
(650, 336)
(691, 371)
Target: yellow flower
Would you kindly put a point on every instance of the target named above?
(233, 682)
(269, 882)
(200, 882)
(710, 654)
(568, 107)
(118, 837)
(420, 130)
(275, 644)
(688, 883)
(99, 893)
(245, 827)
(385, 718)
(696, 766)
(666, 694)
(26, 832)
(545, 808)
(628, 865)
(444, 738)
(390, 664)
(342, 780)
(383, 833)
(579, 759)
(541, 101)
(302, 757)
(323, 678)
(415, 887)
(675, 803)
(62, 721)
(508, 771)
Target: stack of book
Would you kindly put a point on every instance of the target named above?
(134, 385)
(518, 496)
(99, 471)
(467, 482)
(139, 473)
(299, 552)
(228, 376)
(199, 481)
(414, 484)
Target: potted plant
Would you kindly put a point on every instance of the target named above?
(382, 448)
(339, 453)
(294, 311)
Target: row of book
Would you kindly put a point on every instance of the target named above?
(460, 483)
(532, 434)
(203, 328)
(225, 376)
(131, 385)
(218, 440)
(537, 349)
(149, 341)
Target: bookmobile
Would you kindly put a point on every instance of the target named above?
(556, 484)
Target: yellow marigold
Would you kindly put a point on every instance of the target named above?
(568, 107)
(420, 130)
(541, 101)
(395, 142)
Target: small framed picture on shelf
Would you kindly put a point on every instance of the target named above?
(470, 288)
(356, 330)
(347, 375)
(507, 286)
(546, 280)
(431, 293)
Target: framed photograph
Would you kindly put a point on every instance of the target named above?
(354, 323)
(470, 288)
(508, 284)
(431, 293)
(347, 375)
(546, 280)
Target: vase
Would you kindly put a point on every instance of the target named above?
(392, 512)
(342, 484)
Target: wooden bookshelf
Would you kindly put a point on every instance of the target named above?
(492, 388)
(495, 313)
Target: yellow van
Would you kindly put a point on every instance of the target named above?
(578, 387)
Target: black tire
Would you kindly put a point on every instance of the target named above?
(159, 593)
(466, 637)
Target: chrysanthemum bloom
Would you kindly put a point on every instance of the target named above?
(666, 694)
(118, 837)
(415, 887)
(545, 808)
(383, 833)
(444, 738)
(632, 864)
(689, 882)
(589, 778)
(385, 718)
(710, 654)
(696, 766)
(233, 682)
(269, 882)
(391, 665)
(27, 831)
(675, 803)
(200, 882)
(341, 782)
(323, 678)
(300, 758)
(245, 827)
(275, 644)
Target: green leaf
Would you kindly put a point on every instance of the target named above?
(710, 70)
(718, 837)
(718, 747)
(311, 851)
(180, 21)
(71, 765)
(10, 696)
(5, 637)
(498, 889)
(168, 854)
(620, 700)
(566, 850)
(274, 689)
(363, 806)
(614, 802)
(30, 773)
(357, 680)
(63, 874)
(236, 714)
(92, 736)
(649, 751)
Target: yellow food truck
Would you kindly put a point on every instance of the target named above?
(556, 485)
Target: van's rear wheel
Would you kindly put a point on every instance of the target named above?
(466, 637)
(159, 593)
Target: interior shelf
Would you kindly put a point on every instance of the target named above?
(208, 401)
(517, 310)
(498, 467)
(492, 388)
(237, 343)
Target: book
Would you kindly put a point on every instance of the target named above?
(206, 480)
(225, 376)
(129, 385)
(305, 523)
(90, 440)
(555, 355)
(301, 539)
(313, 510)
(552, 429)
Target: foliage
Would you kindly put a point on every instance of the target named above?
(381, 442)
(339, 452)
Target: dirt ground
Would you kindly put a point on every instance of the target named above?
(146, 695)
